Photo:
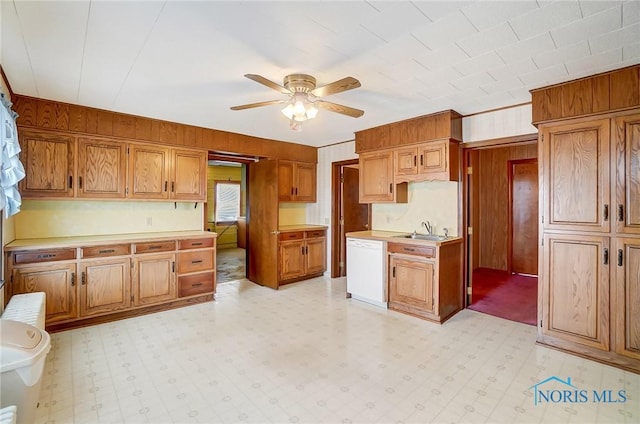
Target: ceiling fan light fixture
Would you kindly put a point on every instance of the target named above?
(300, 108)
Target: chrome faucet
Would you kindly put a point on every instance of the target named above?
(428, 227)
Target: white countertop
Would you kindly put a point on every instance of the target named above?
(397, 237)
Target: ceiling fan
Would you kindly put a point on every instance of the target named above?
(303, 101)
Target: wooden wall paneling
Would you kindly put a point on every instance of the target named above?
(45, 114)
(92, 121)
(577, 97)
(624, 88)
(61, 116)
(600, 93)
(26, 108)
(105, 123)
(456, 125)
(77, 118)
(442, 125)
(168, 132)
(143, 129)
(221, 141)
(124, 126)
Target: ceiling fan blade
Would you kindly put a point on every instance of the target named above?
(250, 105)
(345, 110)
(262, 80)
(339, 86)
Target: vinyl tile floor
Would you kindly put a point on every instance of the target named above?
(306, 354)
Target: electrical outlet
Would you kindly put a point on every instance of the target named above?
(149, 221)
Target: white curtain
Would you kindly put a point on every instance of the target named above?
(11, 170)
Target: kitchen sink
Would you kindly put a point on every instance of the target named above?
(431, 237)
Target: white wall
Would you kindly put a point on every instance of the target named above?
(498, 124)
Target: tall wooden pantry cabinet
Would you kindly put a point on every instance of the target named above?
(589, 150)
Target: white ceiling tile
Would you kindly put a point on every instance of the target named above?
(631, 52)
(547, 17)
(443, 57)
(630, 12)
(436, 10)
(490, 39)
(395, 21)
(401, 48)
(472, 81)
(484, 61)
(526, 48)
(338, 16)
(487, 14)
(566, 53)
(13, 55)
(596, 61)
(591, 7)
(502, 85)
(354, 42)
(591, 26)
(610, 40)
(441, 76)
(403, 70)
(546, 76)
(445, 31)
(513, 69)
(438, 90)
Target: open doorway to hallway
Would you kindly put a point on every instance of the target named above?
(501, 213)
(225, 215)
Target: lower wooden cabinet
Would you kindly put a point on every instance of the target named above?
(105, 286)
(57, 280)
(301, 255)
(85, 284)
(426, 280)
(627, 298)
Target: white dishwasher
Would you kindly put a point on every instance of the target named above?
(366, 271)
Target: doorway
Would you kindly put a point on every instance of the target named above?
(348, 214)
(225, 214)
(501, 216)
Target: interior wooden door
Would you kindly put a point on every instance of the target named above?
(354, 216)
(262, 217)
(523, 199)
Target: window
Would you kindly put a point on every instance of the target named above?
(227, 204)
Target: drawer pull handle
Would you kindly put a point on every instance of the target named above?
(73, 279)
(196, 285)
(196, 244)
(606, 256)
(620, 258)
(197, 261)
(407, 249)
(620, 213)
(606, 212)
(47, 256)
(155, 247)
(84, 279)
(107, 251)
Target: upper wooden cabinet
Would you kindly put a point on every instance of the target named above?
(437, 160)
(576, 172)
(49, 164)
(148, 172)
(626, 139)
(377, 179)
(101, 168)
(188, 175)
(296, 181)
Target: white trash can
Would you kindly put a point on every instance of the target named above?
(23, 350)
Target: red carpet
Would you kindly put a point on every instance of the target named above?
(513, 297)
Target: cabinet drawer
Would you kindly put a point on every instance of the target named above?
(158, 246)
(190, 285)
(291, 235)
(412, 249)
(33, 256)
(195, 243)
(316, 233)
(199, 260)
(103, 251)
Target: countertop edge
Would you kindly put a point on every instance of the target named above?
(396, 237)
(96, 240)
(301, 227)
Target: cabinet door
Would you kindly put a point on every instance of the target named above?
(626, 304)
(434, 159)
(575, 289)
(406, 161)
(376, 177)
(576, 172)
(189, 179)
(286, 189)
(49, 165)
(291, 258)
(316, 255)
(411, 283)
(305, 182)
(58, 281)
(101, 168)
(154, 279)
(105, 286)
(627, 149)
(148, 172)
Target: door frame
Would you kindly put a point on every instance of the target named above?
(336, 202)
(467, 204)
(510, 165)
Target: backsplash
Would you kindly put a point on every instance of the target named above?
(435, 201)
